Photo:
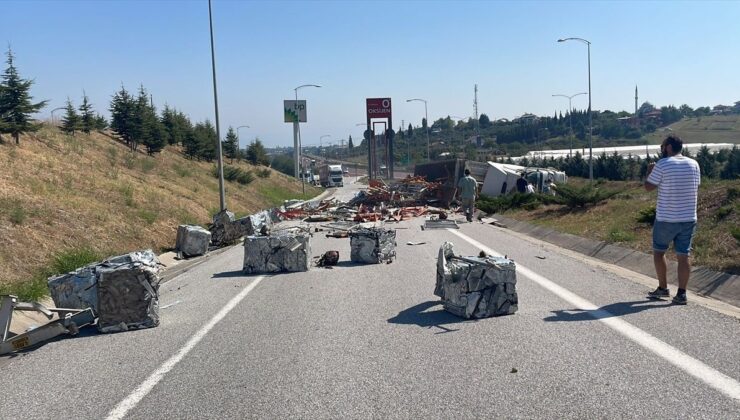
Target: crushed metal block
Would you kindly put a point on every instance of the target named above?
(227, 230)
(76, 290)
(372, 245)
(283, 251)
(192, 240)
(128, 292)
(476, 287)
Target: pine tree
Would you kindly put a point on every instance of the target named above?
(16, 107)
(122, 116)
(87, 118)
(231, 144)
(256, 153)
(70, 121)
(151, 132)
(350, 145)
(204, 135)
(411, 131)
(100, 122)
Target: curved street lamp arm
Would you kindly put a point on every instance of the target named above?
(575, 39)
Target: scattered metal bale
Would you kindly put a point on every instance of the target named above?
(227, 230)
(286, 250)
(372, 245)
(76, 290)
(128, 292)
(192, 240)
(476, 287)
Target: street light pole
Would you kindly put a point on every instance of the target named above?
(590, 117)
(52, 113)
(297, 136)
(426, 118)
(222, 194)
(570, 117)
(462, 143)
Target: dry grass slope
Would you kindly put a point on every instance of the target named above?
(60, 193)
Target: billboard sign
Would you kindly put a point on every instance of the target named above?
(378, 107)
(294, 111)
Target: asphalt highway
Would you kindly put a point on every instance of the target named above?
(372, 341)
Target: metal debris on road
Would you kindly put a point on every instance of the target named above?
(128, 292)
(192, 241)
(372, 245)
(328, 260)
(440, 224)
(475, 287)
(286, 250)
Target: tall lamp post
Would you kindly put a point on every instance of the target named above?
(570, 116)
(590, 118)
(238, 139)
(297, 134)
(222, 194)
(426, 118)
(52, 113)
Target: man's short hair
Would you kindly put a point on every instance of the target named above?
(467, 172)
(675, 142)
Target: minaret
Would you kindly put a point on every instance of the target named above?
(635, 100)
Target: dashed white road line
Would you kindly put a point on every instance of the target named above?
(142, 390)
(694, 367)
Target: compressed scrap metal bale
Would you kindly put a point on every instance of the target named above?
(372, 245)
(192, 240)
(128, 292)
(476, 287)
(282, 251)
(75, 290)
(221, 227)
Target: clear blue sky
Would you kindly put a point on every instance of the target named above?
(676, 52)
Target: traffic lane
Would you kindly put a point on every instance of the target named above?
(700, 332)
(83, 376)
(369, 341)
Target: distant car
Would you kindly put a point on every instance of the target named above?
(346, 171)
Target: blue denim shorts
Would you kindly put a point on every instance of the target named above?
(680, 234)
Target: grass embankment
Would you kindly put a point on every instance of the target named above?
(618, 220)
(66, 201)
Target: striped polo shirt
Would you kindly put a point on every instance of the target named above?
(677, 179)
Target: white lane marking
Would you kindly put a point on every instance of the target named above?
(681, 360)
(142, 390)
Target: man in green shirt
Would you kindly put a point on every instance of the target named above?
(468, 192)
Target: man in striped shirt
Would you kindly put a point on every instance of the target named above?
(677, 179)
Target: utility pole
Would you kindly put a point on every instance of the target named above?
(222, 194)
(475, 111)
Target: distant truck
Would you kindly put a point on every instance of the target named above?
(331, 176)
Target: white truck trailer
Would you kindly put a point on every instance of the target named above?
(331, 176)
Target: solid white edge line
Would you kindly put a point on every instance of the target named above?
(142, 390)
(694, 367)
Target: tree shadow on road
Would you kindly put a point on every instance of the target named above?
(418, 315)
(608, 311)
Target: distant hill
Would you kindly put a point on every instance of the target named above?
(60, 193)
(712, 129)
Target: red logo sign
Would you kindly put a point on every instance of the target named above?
(378, 107)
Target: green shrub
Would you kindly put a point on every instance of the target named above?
(148, 216)
(18, 214)
(263, 173)
(245, 178)
(647, 215)
(582, 196)
(182, 171)
(128, 194)
(619, 235)
(514, 201)
(147, 164)
(70, 260)
(723, 212)
(735, 232)
(129, 160)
